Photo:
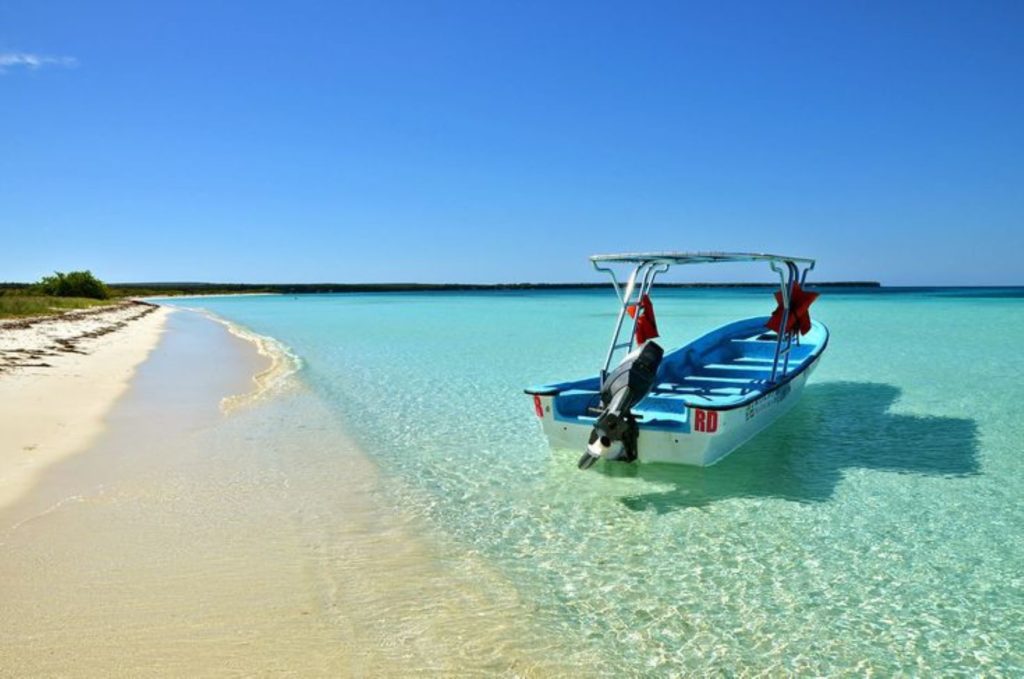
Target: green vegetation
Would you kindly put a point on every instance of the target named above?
(53, 294)
(17, 305)
(182, 288)
(73, 284)
(80, 289)
(50, 294)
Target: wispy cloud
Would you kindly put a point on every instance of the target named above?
(31, 61)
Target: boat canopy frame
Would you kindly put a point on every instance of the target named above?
(647, 266)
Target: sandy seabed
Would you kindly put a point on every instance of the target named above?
(166, 535)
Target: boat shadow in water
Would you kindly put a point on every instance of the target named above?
(802, 457)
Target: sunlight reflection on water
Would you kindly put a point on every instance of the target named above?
(870, 528)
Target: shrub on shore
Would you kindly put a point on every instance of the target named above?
(73, 284)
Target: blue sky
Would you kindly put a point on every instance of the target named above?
(506, 141)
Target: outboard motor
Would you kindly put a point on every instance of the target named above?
(615, 433)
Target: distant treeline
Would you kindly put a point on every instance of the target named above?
(189, 288)
(155, 289)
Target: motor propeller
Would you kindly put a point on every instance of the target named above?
(615, 432)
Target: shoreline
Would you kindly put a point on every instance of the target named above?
(283, 362)
(186, 505)
(203, 295)
(60, 376)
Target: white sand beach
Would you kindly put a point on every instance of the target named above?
(59, 376)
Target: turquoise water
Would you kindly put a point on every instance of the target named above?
(878, 526)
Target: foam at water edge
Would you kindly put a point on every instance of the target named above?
(284, 363)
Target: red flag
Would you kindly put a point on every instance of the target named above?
(646, 325)
(799, 311)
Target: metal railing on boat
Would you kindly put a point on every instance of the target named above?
(648, 266)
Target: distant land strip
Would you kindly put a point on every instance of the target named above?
(195, 288)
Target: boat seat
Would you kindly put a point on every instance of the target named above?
(574, 403)
(696, 391)
(662, 409)
(661, 419)
(659, 410)
(661, 401)
(747, 371)
(760, 349)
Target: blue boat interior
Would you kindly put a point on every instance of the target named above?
(726, 368)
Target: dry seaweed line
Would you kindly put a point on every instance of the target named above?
(32, 358)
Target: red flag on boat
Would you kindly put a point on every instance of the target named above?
(799, 311)
(646, 325)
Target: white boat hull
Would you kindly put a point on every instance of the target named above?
(710, 436)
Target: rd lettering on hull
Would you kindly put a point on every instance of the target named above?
(705, 420)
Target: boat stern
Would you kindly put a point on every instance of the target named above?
(561, 432)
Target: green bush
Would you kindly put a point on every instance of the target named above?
(73, 284)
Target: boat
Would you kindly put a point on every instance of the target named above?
(697, 403)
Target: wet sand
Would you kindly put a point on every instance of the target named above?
(59, 377)
(190, 541)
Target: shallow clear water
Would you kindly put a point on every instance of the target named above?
(187, 543)
(878, 525)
